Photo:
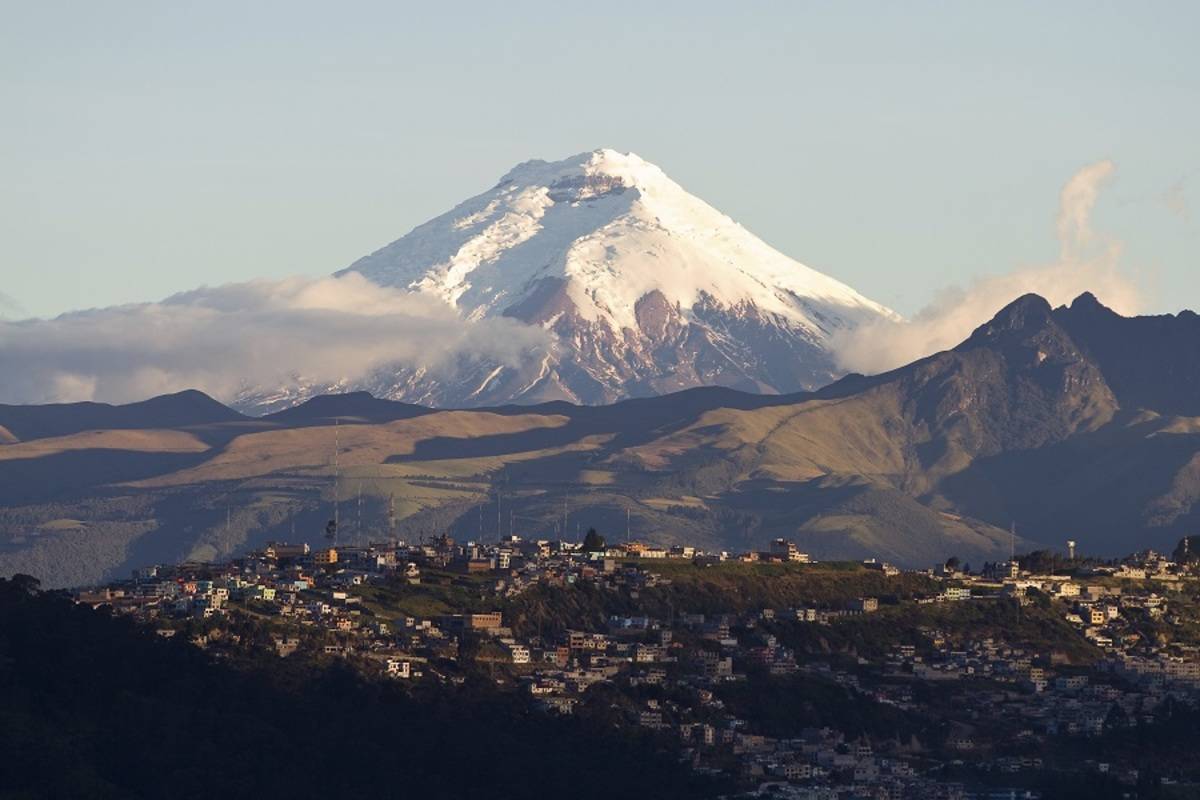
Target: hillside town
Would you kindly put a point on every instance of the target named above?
(945, 705)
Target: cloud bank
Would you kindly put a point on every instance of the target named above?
(263, 333)
(1087, 261)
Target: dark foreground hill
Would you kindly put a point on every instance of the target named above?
(1068, 423)
(93, 706)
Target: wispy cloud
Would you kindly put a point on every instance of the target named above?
(1087, 261)
(1176, 200)
(9, 307)
(1076, 202)
(256, 334)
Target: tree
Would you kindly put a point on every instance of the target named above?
(952, 563)
(1039, 598)
(1117, 718)
(1188, 550)
(26, 583)
(593, 542)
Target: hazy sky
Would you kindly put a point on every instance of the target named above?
(148, 148)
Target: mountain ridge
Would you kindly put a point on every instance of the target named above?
(1033, 421)
(187, 407)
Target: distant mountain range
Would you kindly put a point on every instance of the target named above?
(1067, 423)
(646, 289)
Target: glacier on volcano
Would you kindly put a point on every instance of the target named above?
(645, 288)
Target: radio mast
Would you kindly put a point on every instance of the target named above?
(337, 449)
(331, 530)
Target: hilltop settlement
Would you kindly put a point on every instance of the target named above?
(771, 674)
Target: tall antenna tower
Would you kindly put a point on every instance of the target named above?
(331, 530)
(626, 526)
(337, 453)
(358, 521)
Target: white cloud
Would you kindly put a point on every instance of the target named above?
(261, 333)
(1075, 205)
(1087, 262)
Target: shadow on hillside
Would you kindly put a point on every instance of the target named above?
(1095, 488)
(632, 422)
(174, 411)
(62, 475)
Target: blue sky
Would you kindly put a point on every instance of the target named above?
(150, 148)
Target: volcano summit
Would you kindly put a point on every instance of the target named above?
(645, 289)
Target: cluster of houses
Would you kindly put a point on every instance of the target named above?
(1113, 606)
(674, 670)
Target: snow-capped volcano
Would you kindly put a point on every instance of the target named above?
(646, 288)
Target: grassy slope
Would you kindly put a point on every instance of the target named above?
(724, 588)
(846, 477)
